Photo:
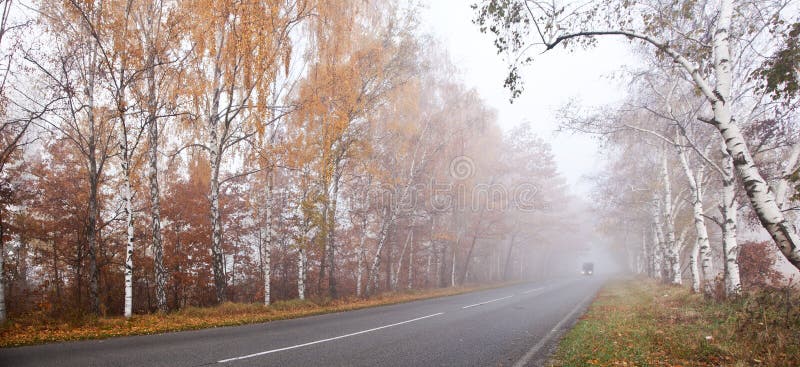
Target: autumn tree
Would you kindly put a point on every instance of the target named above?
(237, 50)
(665, 28)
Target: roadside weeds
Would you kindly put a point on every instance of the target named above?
(642, 323)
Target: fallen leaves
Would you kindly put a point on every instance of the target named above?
(37, 330)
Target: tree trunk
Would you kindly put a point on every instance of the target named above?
(266, 270)
(266, 242)
(332, 236)
(216, 216)
(694, 269)
(361, 252)
(758, 191)
(428, 267)
(702, 245)
(672, 247)
(396, 274)
(128, 198)
(730, 247)
(360, 265)
(658, 242)
(647, 254)
(453, 269)
(506, 268)
(152, 173)
(301, 274)
(389, 216)
(791, 162)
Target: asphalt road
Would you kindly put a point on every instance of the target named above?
(512, 326)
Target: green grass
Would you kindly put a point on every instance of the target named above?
(643, 323)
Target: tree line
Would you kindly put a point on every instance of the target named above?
(159, 154)
(709, 125)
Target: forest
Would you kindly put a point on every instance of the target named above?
(704, 145)
(161, 154)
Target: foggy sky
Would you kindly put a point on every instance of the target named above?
(550, 81)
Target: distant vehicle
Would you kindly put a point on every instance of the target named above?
(588, 269)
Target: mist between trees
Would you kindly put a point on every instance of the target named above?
(161, 154)
(706, 141)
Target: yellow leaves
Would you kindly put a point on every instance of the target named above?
(36, 330)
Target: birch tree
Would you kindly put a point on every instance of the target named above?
(519, 23)
(237, 51)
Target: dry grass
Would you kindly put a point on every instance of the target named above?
(37, 328)
(642, 323)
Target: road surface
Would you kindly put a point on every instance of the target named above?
(512, 326)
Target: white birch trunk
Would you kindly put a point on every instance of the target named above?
(360, 267)
(428, 267)
(453, 269)
(361, 252)
(396, 275)
(218, 266)
(702, 245)
(331, 233)
(790, 165)
(730, 246)
(672, 247)
(155, 202)
(301, 274)
(266, 243)
(758, 191)
(693, 267)
(266, 256)
(128, 197)
(389, 216)
(658, 258)
(647, 254)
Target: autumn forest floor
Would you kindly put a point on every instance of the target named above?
(39, 328)
(643, 323)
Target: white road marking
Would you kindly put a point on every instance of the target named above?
(326, 340)
(522, 362)
(532, 290)
(490, 301)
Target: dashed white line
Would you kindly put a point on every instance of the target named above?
(532, 290)
(490, 301)
(326, 340)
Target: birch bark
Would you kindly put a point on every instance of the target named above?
(730, 246)
(758, 191)
(152, 174)
(672, 247)
(702, 246)
(658, 245)
(761, 197)
(266, 243)
(127, 195)
(301, 274)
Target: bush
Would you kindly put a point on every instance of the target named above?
(757, 266)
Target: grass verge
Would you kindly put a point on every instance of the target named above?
(643, 323)
(37, 329)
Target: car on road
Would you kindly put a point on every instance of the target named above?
(588, 268)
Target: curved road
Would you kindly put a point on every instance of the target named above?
(512, 326)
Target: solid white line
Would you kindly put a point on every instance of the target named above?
(326, 340)
(522, 362)
(490, 301)
(532, 290)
